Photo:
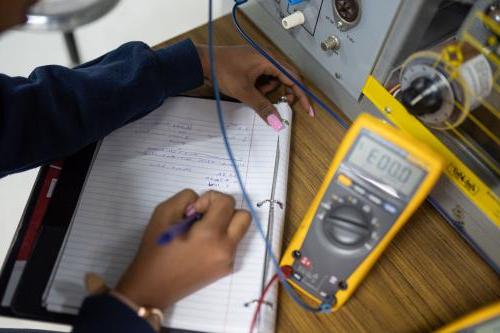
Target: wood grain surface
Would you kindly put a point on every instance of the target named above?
(426, 278)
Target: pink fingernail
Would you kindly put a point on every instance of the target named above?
(190, 210)
(275, 122)
(311, 112)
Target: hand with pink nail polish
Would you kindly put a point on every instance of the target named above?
(275, 122)
(246, 75)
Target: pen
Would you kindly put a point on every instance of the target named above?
(179, 228)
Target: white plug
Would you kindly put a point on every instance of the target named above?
(293, 20)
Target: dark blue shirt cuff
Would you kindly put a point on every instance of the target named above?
(106, 314)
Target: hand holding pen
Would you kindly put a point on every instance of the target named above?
(181, 227)
(203, 234)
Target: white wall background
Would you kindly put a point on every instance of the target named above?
(151, 21)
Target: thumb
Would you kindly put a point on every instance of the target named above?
(264, 108)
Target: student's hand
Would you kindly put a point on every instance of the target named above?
(247, 76)
(161, 275)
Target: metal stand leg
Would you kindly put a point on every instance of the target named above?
(74, 55)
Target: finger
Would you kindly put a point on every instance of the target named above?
(217, 209)
(290, 97)
(268, 87)
(264, 108)
(301, 95)
(173, 210)
(263, 79)
(239, 226)
(303, 100)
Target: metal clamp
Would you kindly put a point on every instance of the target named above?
(271, 202)
(247, 304)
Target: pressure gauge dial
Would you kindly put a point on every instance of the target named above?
(442, 93)
(427, 94)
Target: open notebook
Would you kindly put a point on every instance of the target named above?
(140, 165)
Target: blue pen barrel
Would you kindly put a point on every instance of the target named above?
(178, 228)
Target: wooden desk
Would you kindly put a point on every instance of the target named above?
(427, 277)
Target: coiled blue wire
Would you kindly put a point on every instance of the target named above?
(276, 64)
(327, 303)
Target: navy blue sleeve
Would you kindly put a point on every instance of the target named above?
(56, 111)
(105, 314)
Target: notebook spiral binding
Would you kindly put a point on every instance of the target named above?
(272, 202)
(247, 304)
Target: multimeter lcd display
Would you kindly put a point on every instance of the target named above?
(386, 165)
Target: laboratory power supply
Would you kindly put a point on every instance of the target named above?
(430, 67)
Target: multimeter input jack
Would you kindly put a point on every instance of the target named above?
(342, 285)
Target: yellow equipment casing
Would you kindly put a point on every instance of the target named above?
(486, 319)
(377, 179)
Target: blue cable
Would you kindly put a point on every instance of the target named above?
(328, 302)
(281, 68)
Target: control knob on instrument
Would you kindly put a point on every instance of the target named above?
(347, 225)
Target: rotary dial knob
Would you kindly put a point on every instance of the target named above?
(347, 226)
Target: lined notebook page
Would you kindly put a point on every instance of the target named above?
(137, 167)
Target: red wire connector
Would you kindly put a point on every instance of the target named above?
(287, 272)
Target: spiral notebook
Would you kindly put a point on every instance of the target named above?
(140, 165)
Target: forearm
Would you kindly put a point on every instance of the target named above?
(204, 60)
(57, 111)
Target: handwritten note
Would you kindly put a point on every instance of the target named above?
(177, 146)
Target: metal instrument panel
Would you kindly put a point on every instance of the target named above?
(360, 43)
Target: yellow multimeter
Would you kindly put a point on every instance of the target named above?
(377, 179)
(484, 320)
